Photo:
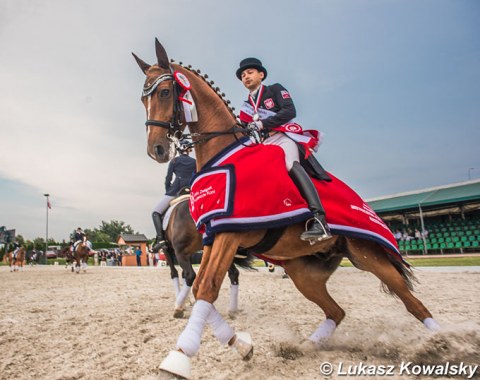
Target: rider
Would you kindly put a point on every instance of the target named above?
(272, 106)
(16, 248)
(78, 237)
(183, 166)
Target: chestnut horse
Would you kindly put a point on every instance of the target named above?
(80, 256)
(308, 265)
(15, 262)
(183, 240)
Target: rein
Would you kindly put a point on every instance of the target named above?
(203, 137)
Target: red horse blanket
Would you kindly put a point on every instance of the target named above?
(246, 187)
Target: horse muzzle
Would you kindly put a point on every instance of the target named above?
(160, 153)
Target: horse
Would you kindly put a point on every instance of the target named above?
(308, 265)
(183, 240)
(31, 257)
(67, 253)
(80, 256)
(15, 261)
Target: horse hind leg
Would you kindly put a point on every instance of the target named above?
(310, 275)
(369, 256)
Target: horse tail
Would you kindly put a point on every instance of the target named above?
(244, 259)
(404, 269)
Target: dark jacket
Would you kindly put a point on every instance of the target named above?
(183, 166)
(277, 99)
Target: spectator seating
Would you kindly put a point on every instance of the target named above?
(458, 236)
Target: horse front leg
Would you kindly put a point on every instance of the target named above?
(169, 256)
(214, 266)
(233, 275)
(185, 263)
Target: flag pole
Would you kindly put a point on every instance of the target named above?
(46, 233)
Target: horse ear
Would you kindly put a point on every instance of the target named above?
(162, 57)
(144, 66)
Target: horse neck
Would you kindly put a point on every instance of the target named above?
(213, 116)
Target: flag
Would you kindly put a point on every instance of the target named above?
(48, 203)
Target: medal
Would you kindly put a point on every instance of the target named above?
(256, 104)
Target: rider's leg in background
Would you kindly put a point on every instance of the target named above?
(157, 217)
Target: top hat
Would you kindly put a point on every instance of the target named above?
(251, 63)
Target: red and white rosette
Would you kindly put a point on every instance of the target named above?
(292, 128)
(182, 80)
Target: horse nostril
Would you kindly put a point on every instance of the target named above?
(159, 150)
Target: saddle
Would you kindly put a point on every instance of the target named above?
(184, 196)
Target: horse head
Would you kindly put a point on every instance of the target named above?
(164, 122)
(174, 96)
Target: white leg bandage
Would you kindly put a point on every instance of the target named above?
(176, 286)
(233, 298)
(182, 296)
(189, 339)
(324, 331)
(221, 329)
(431, 324)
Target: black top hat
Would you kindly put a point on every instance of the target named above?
(251, 63)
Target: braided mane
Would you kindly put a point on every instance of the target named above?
(210, 83)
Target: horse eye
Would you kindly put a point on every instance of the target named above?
(164, 93)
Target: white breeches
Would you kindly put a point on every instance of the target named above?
(162, 205)
(288, 145)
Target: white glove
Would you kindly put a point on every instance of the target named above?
(256, 125)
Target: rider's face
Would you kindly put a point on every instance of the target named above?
(252, 78)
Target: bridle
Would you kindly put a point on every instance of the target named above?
(174, 126)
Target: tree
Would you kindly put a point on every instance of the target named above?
(109, 231)
(20, 239)
(39, 243)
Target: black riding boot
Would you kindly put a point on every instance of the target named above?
(318, 229)
(159, 242)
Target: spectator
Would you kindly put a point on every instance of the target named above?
(398, 235)
(138, 254)
(418, 235)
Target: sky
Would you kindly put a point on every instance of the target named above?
(393, 84)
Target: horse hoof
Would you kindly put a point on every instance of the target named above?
(178, 313)
(431, 324)
(178, 364)
(243, 345)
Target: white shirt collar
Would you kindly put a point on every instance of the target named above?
(254, 93)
